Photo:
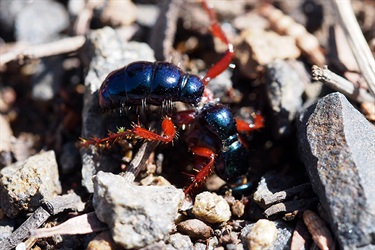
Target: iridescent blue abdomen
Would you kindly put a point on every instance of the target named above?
(141, 83)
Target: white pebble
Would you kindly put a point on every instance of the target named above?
(211, 208)
(262, 235)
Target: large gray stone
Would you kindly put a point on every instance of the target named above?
(338, 148)
(137, 215)
(24, 184)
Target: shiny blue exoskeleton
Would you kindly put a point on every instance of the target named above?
(155, 83)
(216, 129)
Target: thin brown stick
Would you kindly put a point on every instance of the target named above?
(62, 46)
(285, 194)
(340, 84)
(289, 206)
(82, 224)
(41, 214)
(361, 50)
(139, 160)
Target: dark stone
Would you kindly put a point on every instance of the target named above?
(337, 145)
(284, 91)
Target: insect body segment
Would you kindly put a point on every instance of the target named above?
(215, 130)
(142, 83)
(213, 135)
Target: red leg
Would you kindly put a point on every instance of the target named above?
(184, 117)
(169, 132)
(243, 126)
(216, 30)
(107, 141)
(204, 172)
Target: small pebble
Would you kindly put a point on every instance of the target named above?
(180, 241)
(262, 235)
(211, 208)
(195, 229)
(103, 241)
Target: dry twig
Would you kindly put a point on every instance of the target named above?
(340, 84)
(290, 206)
(359, 46)
(82, 224)
(41, 214)
(283, 195)
(139, 160)
(62, 46)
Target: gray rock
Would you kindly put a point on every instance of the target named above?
(284, 235)
(7, 226)
(284, 91)
(137, 215)
(181, 242)
(104, 52)
(338, 149)
(47, 78)
(41, 21)
(24, 184)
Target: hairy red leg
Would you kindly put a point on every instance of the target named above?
(216, 30)
(204, 172)
(243, 126)
(107, 141)
(169, 132)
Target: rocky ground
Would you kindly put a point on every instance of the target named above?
(310, 184)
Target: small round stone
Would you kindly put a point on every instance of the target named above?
(211, 208)
(262, 235)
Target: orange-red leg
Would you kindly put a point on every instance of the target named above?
(107, 141)
(205, 171)
(216, 30)
(169, 132)
(243, 126)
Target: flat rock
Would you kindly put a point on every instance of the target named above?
(24, 184)
(137, 215)
(104, 52)
(338, 149)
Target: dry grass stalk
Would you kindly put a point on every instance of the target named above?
(340, 84)
(357, 41)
